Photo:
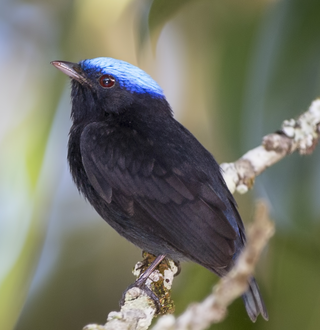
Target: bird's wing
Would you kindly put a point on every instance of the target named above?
(124, 170)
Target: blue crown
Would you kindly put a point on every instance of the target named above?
(129, 76)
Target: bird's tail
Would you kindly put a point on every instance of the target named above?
(254, 303)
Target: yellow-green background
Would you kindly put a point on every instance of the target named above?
(232, 71)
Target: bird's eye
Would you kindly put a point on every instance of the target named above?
(107, 81)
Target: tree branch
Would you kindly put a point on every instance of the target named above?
(214, 308)
(295, 135)
(139, 309)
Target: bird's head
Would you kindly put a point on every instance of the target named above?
(106, 85)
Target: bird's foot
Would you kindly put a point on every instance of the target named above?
(178, 265)
(135, 290)
(155, 276)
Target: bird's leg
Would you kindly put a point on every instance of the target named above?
(158, 288)
(177, 264)
(145, 275)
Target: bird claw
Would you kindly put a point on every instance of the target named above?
(146, 268)
(178, 265)
(144, 289)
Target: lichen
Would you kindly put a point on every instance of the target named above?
(161, 282)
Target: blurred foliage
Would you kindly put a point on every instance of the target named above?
(153, 18)
(232, 70)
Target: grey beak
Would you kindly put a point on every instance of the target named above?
(73, 70)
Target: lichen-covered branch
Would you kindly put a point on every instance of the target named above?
(300, 135)
(139, 309)
(213, 309)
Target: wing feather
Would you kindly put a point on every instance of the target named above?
(174, 202)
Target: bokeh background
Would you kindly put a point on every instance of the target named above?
(232, 70)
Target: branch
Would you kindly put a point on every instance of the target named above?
(214, 308)
(302, 135)
(139, 309)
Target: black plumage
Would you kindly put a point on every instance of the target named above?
(146, 174)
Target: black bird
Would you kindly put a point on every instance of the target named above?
(146, 174)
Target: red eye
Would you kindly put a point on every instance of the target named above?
(107, 81)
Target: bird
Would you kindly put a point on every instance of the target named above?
(146, 175)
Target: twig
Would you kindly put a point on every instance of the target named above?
(139, 309)
(302, 135)
(214, 308)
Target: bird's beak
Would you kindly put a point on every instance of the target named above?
(73, 70)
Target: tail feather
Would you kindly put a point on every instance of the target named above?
(254, 303)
